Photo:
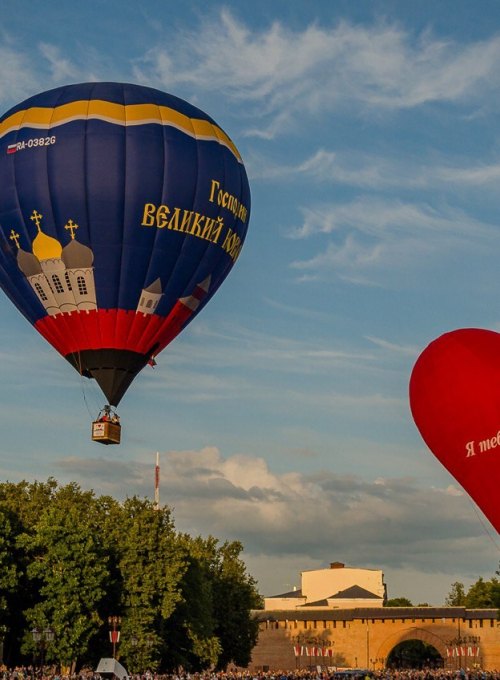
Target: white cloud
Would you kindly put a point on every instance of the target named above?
(375, 217)
(223, 345)
(61, 67)
(17, 79)
(370, 171)
(306, 313)
(371, 237)
(398, 523)
(407, 350)
(482, 175)
(276, 70)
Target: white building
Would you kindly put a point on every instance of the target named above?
(338, 587)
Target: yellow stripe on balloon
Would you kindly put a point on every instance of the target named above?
(134, 114)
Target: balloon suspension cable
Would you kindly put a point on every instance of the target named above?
(484, 525)
(84, 397)
(93, 393)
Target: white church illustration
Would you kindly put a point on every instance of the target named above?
(150, 297)
(62, 278)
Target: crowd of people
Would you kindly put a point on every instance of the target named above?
(29, 673)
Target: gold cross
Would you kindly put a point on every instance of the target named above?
(36, 217)
(14, 237)
(71, 226)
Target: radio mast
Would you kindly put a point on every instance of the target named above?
(157, 482)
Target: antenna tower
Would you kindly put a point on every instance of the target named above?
(157, 482)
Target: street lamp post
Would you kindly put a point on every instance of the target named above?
(149, 641)
(114, 634)
(137, 644)
(134, 641)
(42, 638)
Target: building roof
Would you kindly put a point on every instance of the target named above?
(318, 603)
(292, 593)
(377, 613)
(308, 571)
(355, 593)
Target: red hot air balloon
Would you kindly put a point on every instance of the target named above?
(122, 211)
(455, 402)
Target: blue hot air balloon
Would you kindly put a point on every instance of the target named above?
(122, 210)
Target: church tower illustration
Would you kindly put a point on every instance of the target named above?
(62, 278)
(150, 298)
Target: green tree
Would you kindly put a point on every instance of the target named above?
(20, 505)
(70, 559)
(190, 632)
(398, 602)
(9, 574)
(218, 626)
(481, 594)
(456, 596)
(150, 570)
(235, 597)
(69, 570)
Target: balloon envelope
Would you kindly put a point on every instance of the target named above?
(455, 402)
(122, 210)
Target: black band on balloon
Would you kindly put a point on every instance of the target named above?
(112, 369)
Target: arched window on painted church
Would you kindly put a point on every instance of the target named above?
(57, 284)
(82, 286)
(68, 282)
(41, 292)
(149, 303)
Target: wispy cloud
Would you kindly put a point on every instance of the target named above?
(375, 217)
(62, 68)
(350, 168)
(275, 69)
(299, 311)
(17, 78)
(371, 237)
(407, 350)
(225, 347)
(369, 171)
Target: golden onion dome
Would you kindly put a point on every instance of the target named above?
(46, 248)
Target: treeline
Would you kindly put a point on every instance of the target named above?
(70, 559)
(480, 595)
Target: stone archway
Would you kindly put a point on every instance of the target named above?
(409, 634)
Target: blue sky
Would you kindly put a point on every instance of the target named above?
(370, 134)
